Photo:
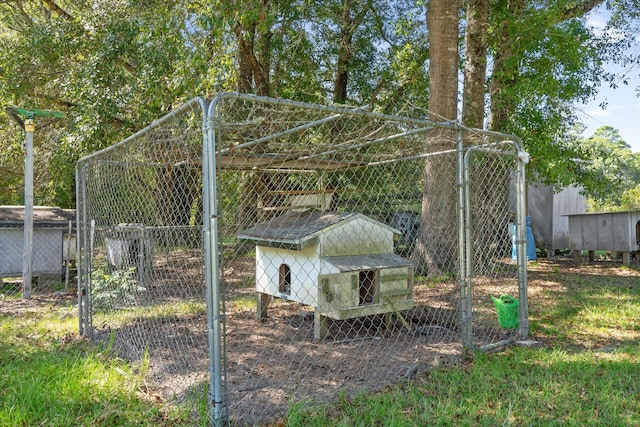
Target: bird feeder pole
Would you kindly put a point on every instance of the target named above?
(29, 128)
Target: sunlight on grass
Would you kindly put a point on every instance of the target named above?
(152, 312)
(562, 384)
(247, 302)
(550, 387)
(243, 302)
(51, 377)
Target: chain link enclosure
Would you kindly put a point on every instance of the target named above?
(321, 250)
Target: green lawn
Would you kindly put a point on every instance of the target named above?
(50, 377)
(586, 370)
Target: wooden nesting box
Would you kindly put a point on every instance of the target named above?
(342, 264)
(612, 232)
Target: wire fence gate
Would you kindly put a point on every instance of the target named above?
(259, 252)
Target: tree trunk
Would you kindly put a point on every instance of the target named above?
(506, 65)
(254, 66)
(436, 247)
(263, 52)
(254, 53)
(344, 55)
(442, 23)
(348, 26)
(244, 83)
(475, 66)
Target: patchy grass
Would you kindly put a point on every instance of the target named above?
(51, 377)
(518, 387)
(585, 372)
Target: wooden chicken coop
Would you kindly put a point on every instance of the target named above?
(342, 264)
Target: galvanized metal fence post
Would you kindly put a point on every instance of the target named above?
(523, 159)
(210, 217)
(29, 128)
(464, 265)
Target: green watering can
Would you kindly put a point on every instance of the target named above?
(507, 308)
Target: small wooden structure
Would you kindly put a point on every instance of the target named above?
(342, 264)
(53, 244)
(612, 232)
(549, 212)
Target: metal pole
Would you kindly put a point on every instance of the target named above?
(468, 233)
(88, 287)
(29, 127)
(27, 265)
(68, 256)
(212, 277)
(465, 302)
(521, 245)
(81, 244)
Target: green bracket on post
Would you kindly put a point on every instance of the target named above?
(29, 114)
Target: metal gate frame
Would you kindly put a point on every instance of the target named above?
(217, 393)
(219, 414)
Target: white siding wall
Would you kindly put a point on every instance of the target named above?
(305, 268)
(356, 237)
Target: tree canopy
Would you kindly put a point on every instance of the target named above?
(115, 65)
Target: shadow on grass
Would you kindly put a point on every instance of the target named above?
(584, 306)
(52, 377)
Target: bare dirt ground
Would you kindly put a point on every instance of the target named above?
(12, 307)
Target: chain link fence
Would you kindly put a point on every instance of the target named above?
(350, 249)
(53, 245)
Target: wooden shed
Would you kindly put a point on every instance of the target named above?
(53, 245)
(549, 213)
(342, 264)
(611, 231)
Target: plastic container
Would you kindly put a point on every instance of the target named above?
(531, 244)
(507, 308)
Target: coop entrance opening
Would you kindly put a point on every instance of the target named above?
(368, 286)
(285, 279)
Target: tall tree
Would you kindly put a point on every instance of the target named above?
(614, 165)
(475, 64)
(436, 246)
(540, 55)
(350, 20)
(251, 23)
(549, 60)
(442, 22)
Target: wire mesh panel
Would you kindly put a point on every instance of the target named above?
(342, 250)
(141, 256)
(491, 215)
(340, 241)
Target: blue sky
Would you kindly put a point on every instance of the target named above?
(623, 105)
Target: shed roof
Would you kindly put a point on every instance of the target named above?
(299, 230)
(367, 262)
(43, 216)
